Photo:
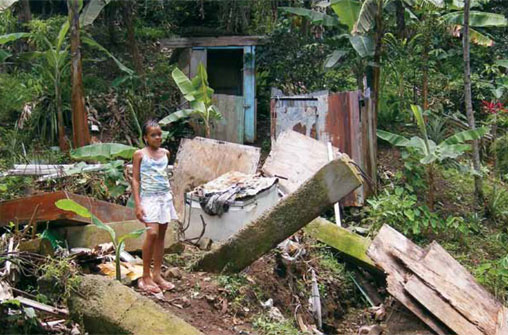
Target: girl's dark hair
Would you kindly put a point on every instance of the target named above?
(148, 124)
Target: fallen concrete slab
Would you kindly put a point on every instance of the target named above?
(105, 306)
(351, 245)
(90, 236)
(331, 183)
(41, 208)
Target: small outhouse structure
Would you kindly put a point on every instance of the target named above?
(230, 64)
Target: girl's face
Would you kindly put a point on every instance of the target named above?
(153, 137)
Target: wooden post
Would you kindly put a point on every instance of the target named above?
(330, 184)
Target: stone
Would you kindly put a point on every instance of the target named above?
(173, 272)
(105, 306)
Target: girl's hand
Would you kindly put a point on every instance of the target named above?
(140, 213)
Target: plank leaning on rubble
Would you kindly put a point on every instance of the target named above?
(331, 183)
(456, 285)
(380, 252)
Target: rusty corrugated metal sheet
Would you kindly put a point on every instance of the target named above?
(340, 118)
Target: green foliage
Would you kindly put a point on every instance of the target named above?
(103, 152)
(501, 148)
(428, 150)
(494, 274)
(62, 274)
(400, 208)
(315, 17)
(265, 326)
(72, 206)
(199, 95)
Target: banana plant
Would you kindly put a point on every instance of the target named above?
(199, 95)
(119, 244)
(429, 152)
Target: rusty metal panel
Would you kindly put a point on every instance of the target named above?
(339, 118)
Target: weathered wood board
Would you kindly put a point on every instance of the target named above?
(42, 208)
(380, 251)
(201, 160)
(439, 307)
(294, 159)
(456, 285)
(231, 127)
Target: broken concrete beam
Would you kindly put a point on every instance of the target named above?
(105, 306)
(352, 245)
(90, 236)
(331, 183)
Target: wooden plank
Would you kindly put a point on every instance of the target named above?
(439, 307)
(380, 251)
(249, 93)
(196, 57)
(502, 322)
(21, 210)
(221, 41)
(295, 158)
(231, 127)
(42, 307)
(444, 274)
(352, 245)
(201, 160)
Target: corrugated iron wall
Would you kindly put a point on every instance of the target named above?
(342, 118)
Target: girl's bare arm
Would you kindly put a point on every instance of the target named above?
(136, 163)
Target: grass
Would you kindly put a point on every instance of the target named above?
(265, 326)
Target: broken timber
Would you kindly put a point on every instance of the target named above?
(352, 245)
(42, 208)
(105, 306)
(433, 281)
(331, 183)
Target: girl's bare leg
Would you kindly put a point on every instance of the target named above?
(157, 259)
(149, 247)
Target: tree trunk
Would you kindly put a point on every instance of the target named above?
(401, 20)
(137, 60)
(469, 105)
(331, 183)
(80, 132)
(377, 58)
(430, 182)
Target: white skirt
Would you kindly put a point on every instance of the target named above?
(158, 208)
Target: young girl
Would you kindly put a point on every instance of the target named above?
(154, 204)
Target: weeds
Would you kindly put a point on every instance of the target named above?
(266, 326)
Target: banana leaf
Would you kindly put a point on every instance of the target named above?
(103, 152)
(94, 44)
(176, 116)
(91, 12)
(334, 58)
(314, 17)
(347, 11)
(184, 84)
(366, 18)
(476, 19)
(12, 37)
(466, 135)
(363, 45)
(393, 139)
(72, 206)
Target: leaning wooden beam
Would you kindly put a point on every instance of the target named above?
(330, 184)
(105, 306)
(352, 245)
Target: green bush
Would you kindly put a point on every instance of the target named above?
(501, 147)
